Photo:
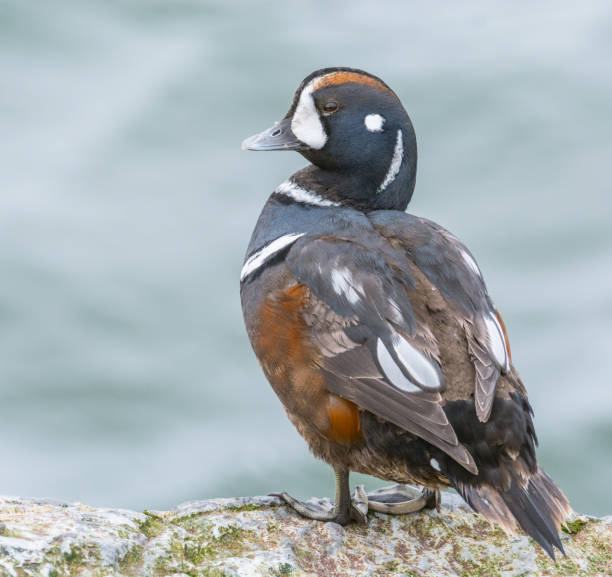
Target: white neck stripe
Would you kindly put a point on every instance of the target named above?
(302, 195)
(396, 162)
(257, 259)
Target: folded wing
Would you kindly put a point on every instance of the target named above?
(451, 268)
(373, 351)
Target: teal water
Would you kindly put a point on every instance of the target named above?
(126, 378)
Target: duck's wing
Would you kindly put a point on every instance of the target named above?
(372, 348)
(450, 268)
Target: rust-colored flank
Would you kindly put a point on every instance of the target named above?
(283, 328)
(342, 77)
(344, 419)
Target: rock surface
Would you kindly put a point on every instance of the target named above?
(257, 536)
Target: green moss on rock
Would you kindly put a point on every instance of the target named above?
(573, 527)
(261, 537)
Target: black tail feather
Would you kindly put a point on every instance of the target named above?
(539, 508)
(531, 511)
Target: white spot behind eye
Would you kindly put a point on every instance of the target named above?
(374, 122)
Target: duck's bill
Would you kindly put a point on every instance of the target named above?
(277, 137)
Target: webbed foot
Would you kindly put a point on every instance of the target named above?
(402, 499)
(343, 512)
(394, 500)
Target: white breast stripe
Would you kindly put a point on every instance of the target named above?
(416, 363)
(306, 124)
(396, 162)
(497, 342)
(392, 371)
(302, 195)
(263, 254)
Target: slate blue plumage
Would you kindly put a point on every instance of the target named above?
(375, 327)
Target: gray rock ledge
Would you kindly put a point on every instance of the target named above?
(257, 536)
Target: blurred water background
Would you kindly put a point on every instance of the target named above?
(126, 204)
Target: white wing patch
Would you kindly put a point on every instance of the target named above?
(396, 162)
(302, 195)
(392, 371)
(343, 283)
(374, 122)
(416, 363)
(259, 258)
(496, 341)
(306, 123)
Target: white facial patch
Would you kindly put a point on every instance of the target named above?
(374, 122)
(306, 123)
(260, 257)
(434, 464)
(343, 283)
(302, 195)
(396, 162)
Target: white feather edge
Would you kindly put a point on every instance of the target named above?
(496, 341)
(469, 260)
(392, 371)
(414, 362)
(343, 283)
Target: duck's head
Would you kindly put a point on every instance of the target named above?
(353, 127)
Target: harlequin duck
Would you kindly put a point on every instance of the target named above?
(375, 327)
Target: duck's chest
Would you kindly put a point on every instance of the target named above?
(279, 227)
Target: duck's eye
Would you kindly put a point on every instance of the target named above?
(330, 107)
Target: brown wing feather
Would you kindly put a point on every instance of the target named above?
(487, 375)
(420, 415)
(351, 373)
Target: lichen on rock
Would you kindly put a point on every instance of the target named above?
(257, 536)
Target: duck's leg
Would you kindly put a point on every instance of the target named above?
(400, 499)
(344, 509)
